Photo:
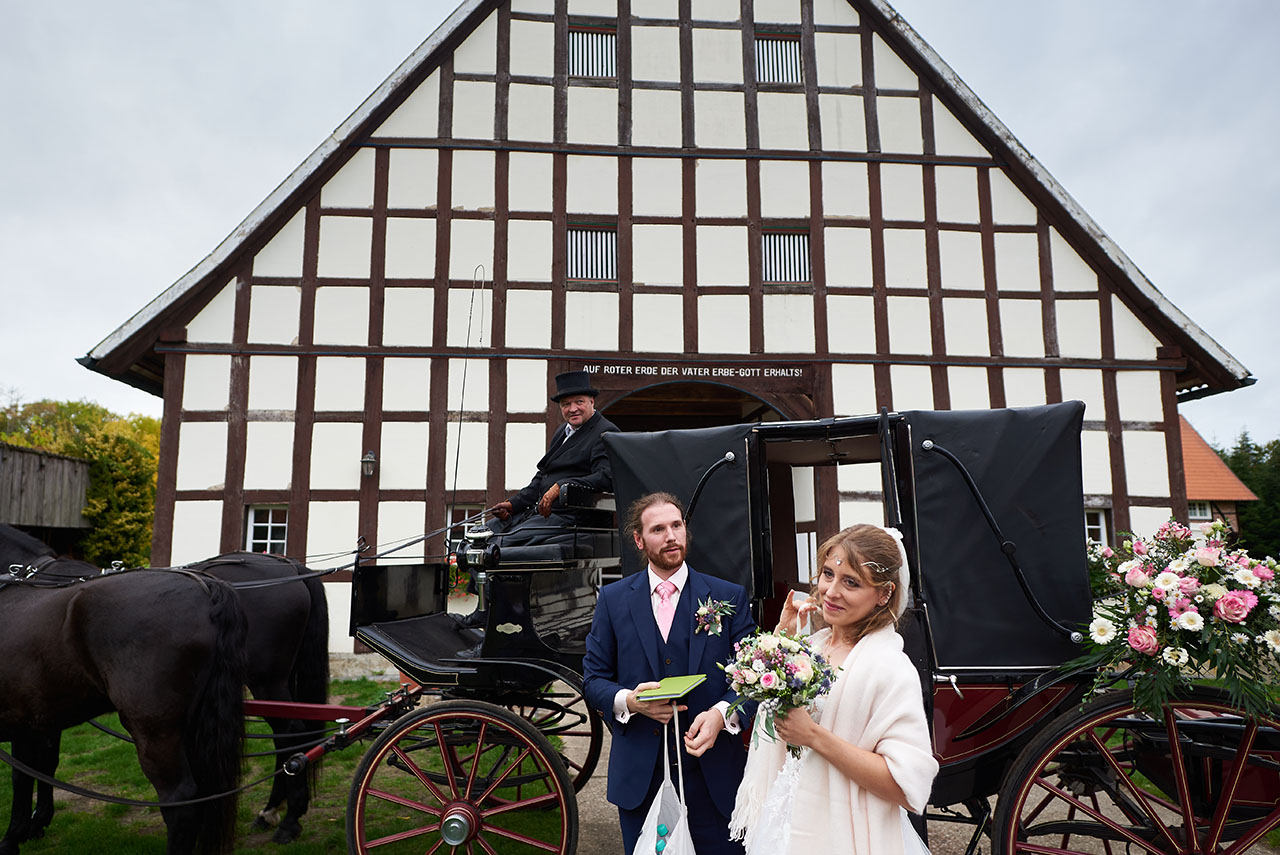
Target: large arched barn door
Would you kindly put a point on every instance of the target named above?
(681, 405)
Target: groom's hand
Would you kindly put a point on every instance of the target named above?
(702, 734)
(659, 710)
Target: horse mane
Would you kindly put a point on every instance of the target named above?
(18, 539)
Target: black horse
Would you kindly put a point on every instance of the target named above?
(164, 649)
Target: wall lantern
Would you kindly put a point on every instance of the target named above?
(368, 463)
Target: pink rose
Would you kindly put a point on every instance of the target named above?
(1234, 606)
(1136, 577)
(1157, 593)
(1207, 556)
(1106, 552)
(1139, 548)
(768, 680)
(1189, 585)
(1264, 573)
(1143, 640)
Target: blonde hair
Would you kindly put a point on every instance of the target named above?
(874, 556)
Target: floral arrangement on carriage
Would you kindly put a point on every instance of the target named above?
(1183, 606)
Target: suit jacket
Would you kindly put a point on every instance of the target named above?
(625, 649)
(581, 460)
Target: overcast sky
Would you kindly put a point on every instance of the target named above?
(137, 135)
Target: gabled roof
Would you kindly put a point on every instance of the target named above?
(127, 354)
(1208, 478)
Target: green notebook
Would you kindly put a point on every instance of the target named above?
(671, 687)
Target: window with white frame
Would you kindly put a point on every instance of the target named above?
(593, 253)
(786, 257)
(1096, 527)
(1199, 511)
(266, 528)
(593, 52)
(778, 58)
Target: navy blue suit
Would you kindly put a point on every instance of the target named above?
(625, 649)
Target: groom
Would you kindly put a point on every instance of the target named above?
(645, 629)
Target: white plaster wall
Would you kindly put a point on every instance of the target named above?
(468, 385)
(473, 182)
(718, 120)
(853, 389)
(891, 72)
(843, 122)
(282, 256)
(526, 443)
(844, 189)
(717, 56)
(273, 314)
(1139, 395)
(411, 178)
(839, 59)
(1133, 339)
(912, 387)
(964, 325)
(338, 595)
(655, 53)
(468, 445)
(1146, 465)
(402, 462)
(411, 248)
(407, 316)
(273, 383)
(777, 11)
(904, 258)
(1017, 262)
(1145, 521)
(335, 456)
(202, 456)
(473, 107)
(471, 244)
(724, 323)
(599, 8)
(837, 12)
(655, 187)
(957, 188)
(591, 320)
(1021, 328)
(899, 121)
(657, 254)
(478, 53)
(592, 185)
(902, 191)
(952, 138)
(1085, 384)
(268, 455)
(1024, 387)
(1070, 272)
(909, 325)
(215, 322)
(342, 315)
(859, 478)
(851, 324)
(539, 7)
(197, 531)
(352, 185)
(968, 387)
(788, 323)
(531, 112)
(406, 384)
(853, 513)
(784, 120)
(206, 382)
(1079, 329)
(802, 489)
(529, 250)
(528, 319)
(537, 41)
(526, 386)
(720, 188)
(1095, 459)
(339, 383)
(655, 115)
(960, 260)
(784, 188)
(1008, 205)
(529, 184)
(593, 115)
(657, 323)
(470, 317)
(418, 116)
(332, 528)
(715, 10)
(722, 255)
(345, 244)
(403, 521)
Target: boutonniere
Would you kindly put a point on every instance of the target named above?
(709, 614)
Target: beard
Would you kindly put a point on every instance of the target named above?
(668, 561)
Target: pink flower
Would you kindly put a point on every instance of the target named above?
(1234, 606)
(1264, 573)
(1157, 593)
(1106, 552)
(1207, 556)
(1136, 577)
(768, 680)
(1189, 585)
(1143, 640)
(1139, 548)
(1180, 605)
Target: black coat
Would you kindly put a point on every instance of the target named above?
(580, 460)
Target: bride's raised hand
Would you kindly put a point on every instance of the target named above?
(794, 613)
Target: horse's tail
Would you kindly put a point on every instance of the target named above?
(214, 731)
(309, 680)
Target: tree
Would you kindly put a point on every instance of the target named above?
(1258, 466)
(122, 452)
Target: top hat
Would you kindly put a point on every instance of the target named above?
(573, 383)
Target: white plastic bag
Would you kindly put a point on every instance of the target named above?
(667, 812)
(911, 842)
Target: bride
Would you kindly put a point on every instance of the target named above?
(867, 755)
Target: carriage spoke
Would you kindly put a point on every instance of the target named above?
(520, 838)
(1044, 803)
(545, 799)
(1180, 777)
(404, 835)
(418, 773)
(497, 781)
(1141, 797)
(404, 802)
(1230, 785)
(475, 763)
(1260, 828)
(1099, 817)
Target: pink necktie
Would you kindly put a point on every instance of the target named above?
(666, 608)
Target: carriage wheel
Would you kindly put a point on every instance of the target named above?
(1107, 778)
(461, 777)
(561, 712)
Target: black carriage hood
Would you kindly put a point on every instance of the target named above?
(1026, 463)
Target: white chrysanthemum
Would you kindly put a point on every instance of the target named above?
(1274, 611)
(759, 667)
(1179, 565)
(1239, 637)
(1102, 631)
(1150, 621)
(1245, 576)
(1126, 566)
(1273, 639)
(1168, 581)
(1175, 656)
(1190, 621)
(1152, 610)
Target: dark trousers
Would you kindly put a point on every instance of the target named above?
(708, 827)
(530, 528)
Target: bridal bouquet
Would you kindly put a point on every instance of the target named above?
(1181, 605)
(780, 672)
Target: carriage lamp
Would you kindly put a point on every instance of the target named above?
(368, 463)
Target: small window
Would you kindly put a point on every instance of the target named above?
(786, 258)
(268, 526)
(593, 52)
(456, 514)
(1096, 528)
(778, 58)
(593, 254)
(1198, 511)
